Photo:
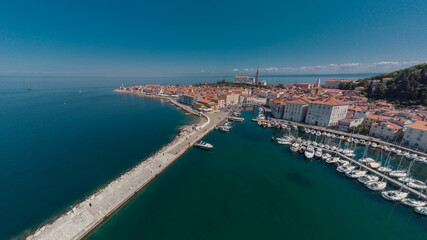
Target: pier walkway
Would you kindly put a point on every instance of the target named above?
(87, 215)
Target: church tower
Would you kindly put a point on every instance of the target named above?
(257, 76)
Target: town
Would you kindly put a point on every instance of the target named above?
(316, 104)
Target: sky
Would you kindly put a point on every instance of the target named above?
(179, 38)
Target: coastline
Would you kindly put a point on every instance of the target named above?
(85, 216)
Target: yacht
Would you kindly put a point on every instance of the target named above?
(384, 169)
(410, 202)
(421, 210)
(295, 146)
(203, 145)
(394, 195)
(342, 163)
(332, 160)
(236, 119)
(374, 165)
(366, 160)
(398, 173)
(325, 156)
(346, 168)
(368, 178)
(224, 129)
(318, 153)
(355, 173)
(417, 184)
(376, 185)
(309, 152)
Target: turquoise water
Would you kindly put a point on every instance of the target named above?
(251, 188)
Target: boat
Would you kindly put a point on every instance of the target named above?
(417, 184)
(374, 165)
(342, 163)
(410, 202)
(203, 145)
(318, 153)
(236, 119)
(421, 210)
(374, 145)
(333, 148)
(384, 169)
(224, 129)
(356, 173)
(301, 149)
(368, 178)
(366, 160)
(325, 156)
(295, 146)
(314, 143)
(327, 147)
(309, 152)
(346, 168)
(398, 173)
(376, 185)
(332, 160)
(394, 195)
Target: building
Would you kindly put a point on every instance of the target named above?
(204, 104)
(295, 110)
(277, 107)
(335, 83)
(244, 79)
(230, 98)
(245, 98)
(305, 86)
(219, 101)
(317, 83)
(345, 124)
(416, 135)
(263, 83)
(257, 77)
(326, 113)
(386, 130)
(187, 99)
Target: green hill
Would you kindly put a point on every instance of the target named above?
(406, 87)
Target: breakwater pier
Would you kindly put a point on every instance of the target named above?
(85, 216)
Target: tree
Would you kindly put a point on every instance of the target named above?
(380, 90)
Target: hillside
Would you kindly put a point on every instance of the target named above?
(406, 87)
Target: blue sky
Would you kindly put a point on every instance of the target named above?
(167, 38)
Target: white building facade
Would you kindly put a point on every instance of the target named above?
(295, 110)
(326, 113)
(416, 135)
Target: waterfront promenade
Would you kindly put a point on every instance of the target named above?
(87, 215)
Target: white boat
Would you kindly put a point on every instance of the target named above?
(421, 210)
(368, 178)
(374, 165)
(309, 152)
(318, 153)
(417, 184)
(356, 173)
(321, 145)
(295, 146)
(406, 179)
(236, 119)
(366, 160)
(314, 143)
(325, 156)
(333, 148)
(203, 145)
(376, 186)
(384, 169)
(346, 168)
(282, 142)
(398, 173)
(327, 147)
(342, 163)
(394, 195)
(340, 150)
(374, 145)
(410, 202)
(332, 160)
(224, 129)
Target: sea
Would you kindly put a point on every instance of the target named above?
(69, 136)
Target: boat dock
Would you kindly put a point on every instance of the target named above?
(323, 129)
(82, 218)
(373, 171)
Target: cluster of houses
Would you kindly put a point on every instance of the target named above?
(310, 104)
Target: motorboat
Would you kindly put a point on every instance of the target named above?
(374, 145)
(398, 173)
(332, 160)
(295, 146)
(356, 173)
(318, 153)
(327, 147)
(410, 202)
(224, 129)
(236, 119)
(406, 179)
(301, 149)
(321, 145)
(314, 144)
(203, 145)
(340, 150)
(342, 163)
(325, 156)
(309, 152)
(333, 148)
(376, 185)
(394, 195)
(374, 165)
(421, 210)
(346, 168)
(368, 178)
